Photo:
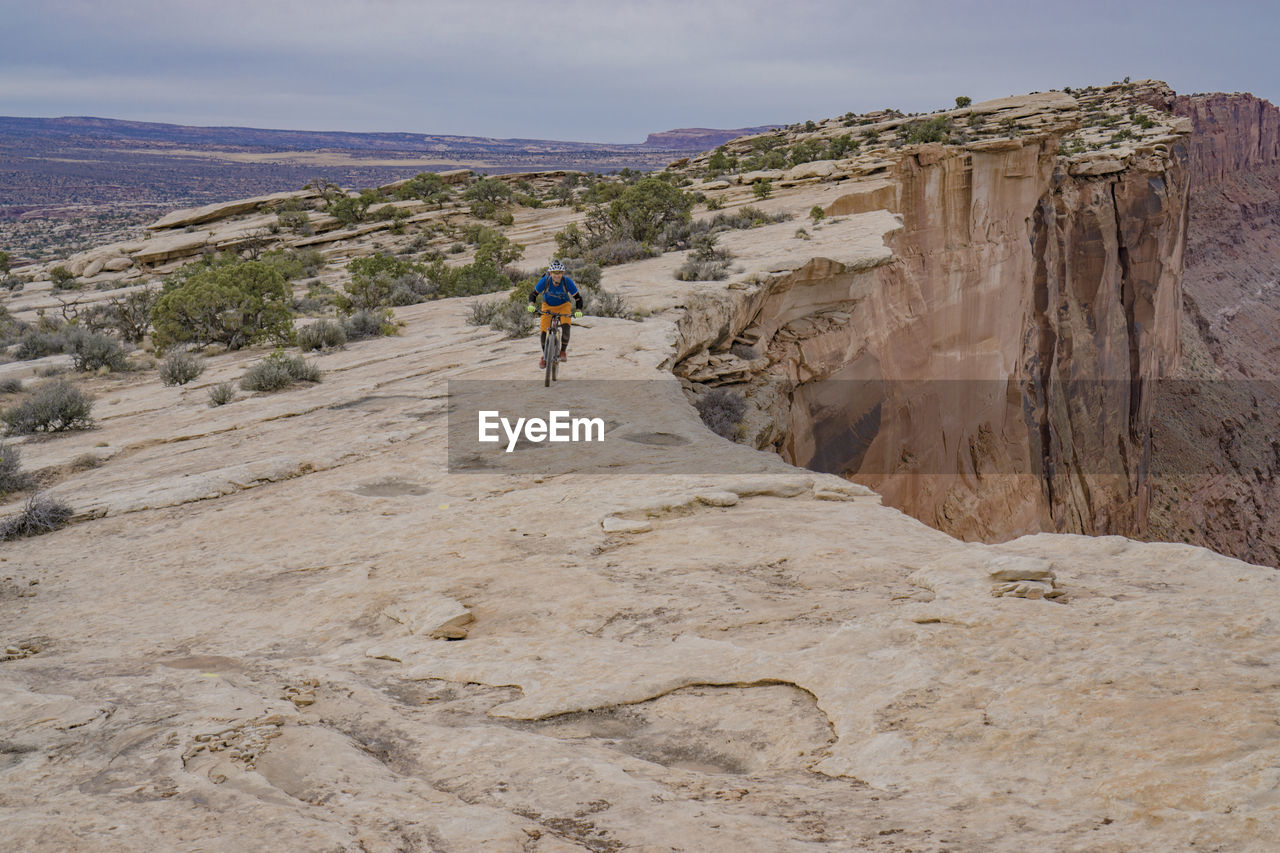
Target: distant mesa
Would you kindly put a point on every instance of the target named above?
(700, 138)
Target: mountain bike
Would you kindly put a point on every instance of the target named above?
(551, 352)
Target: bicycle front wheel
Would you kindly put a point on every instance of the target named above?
(549, 353)
(555, 365)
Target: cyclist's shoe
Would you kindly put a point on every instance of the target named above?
(542, 363)
(564, 356)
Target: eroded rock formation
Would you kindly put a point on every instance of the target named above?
(994, 375)
(1219, 442)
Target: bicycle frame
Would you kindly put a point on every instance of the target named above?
(551, 351)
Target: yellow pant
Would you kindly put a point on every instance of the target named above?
(565, 310)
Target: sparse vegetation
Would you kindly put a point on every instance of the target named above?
(130, 314)
(381, 280)
(52, 407)
(487, 196)
(62, 278)
(35, 343)
(762, 188)
(12, 477)
(181, 367)
(350, 210)
(706, 262)
(40, 515)
(222, 393)
(483, 311)
(817, 214)
(95, 351)
(368, 324)
(426, 186)
(936, 129)
(606, 303)
(963, 101)
(321, 335)
(297, 221)
(278, 371)
(722, 412)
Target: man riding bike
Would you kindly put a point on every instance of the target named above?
(556, 289)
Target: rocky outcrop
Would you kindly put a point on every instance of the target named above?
(1219, 447)
(996, 376)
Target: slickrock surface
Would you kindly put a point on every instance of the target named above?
(284, 623)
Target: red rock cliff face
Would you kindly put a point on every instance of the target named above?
(1218, 435)
(1019, 287)
(996, 375)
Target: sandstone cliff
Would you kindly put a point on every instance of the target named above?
(1223, 416)
(994, 377)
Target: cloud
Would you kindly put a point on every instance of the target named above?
(590, 70)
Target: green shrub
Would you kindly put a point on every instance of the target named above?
(12, 477)
(221, 394)
(937, 129)
(62, 278)
(483, 311)
(646, 207)
(4, 262)
(514, 319)
(52, 407)
(234, 304)
(720, 162)
(841, 146)
(40, 515)
(714, 204)
(321, 335)
(722, 412)
(817, 214)
(606, 303)
(583, 272)
(297, 221)
(806, 151)
(368, 324)
(621, 251)
(695, 270)
(762, 187)
(10, 386)
(278, 371)
(95, 350)
(130, 314)
(37, 344)
(181, 367)
(294, 263)
(492, 191)
(426, 186)
(963, 101)
(377, 278)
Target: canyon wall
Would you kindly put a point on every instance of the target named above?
(1218, 431)
(995, 375)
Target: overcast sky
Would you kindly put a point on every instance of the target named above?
(598, 70)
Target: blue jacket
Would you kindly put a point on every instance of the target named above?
(555, 294)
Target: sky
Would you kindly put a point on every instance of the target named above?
(598, 71)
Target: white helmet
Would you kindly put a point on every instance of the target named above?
(555, 266)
